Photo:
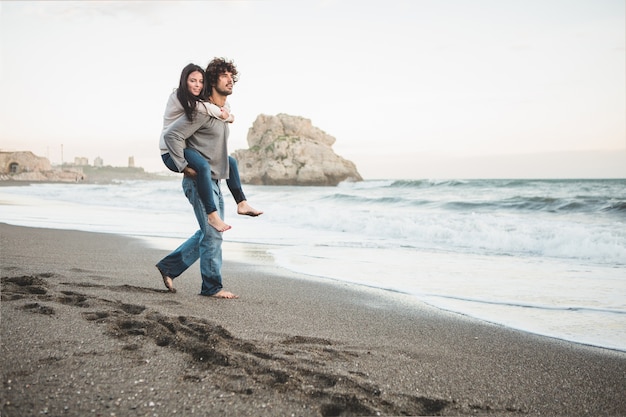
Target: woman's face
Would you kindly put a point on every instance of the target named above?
(195, 82)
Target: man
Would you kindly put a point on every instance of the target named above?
(209, 137)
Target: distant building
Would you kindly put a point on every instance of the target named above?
(131, 162)
(98, 162)
(81, 161)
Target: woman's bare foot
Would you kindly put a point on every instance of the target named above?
(225, 294)
(217, 223)
(245, 209)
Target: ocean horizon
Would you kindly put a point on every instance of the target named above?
(543, 256)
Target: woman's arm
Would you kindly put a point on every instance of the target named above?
(231, 117)
(206, 107)
(173, 110)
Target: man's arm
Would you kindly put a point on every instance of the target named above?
(176, 134)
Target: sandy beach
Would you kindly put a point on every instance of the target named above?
(89, 329)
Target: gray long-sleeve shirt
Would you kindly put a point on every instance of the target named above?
(207, 135)
(174, 110)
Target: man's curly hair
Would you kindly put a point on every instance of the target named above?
(217, 67)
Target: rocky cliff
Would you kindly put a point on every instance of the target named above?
(26, 166)
(289, 150)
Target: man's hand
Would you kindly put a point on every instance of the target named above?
(189, 172)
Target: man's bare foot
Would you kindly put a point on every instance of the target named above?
(169, 282)
(217, 223)
(225, 294)
(245, 209)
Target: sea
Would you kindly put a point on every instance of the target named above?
(543, 256)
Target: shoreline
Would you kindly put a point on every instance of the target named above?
(82, 305)
(257, 252)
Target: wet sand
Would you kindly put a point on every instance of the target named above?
(89, 329)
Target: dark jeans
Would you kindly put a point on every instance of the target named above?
(205, 183)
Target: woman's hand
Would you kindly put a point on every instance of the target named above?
(189, 172)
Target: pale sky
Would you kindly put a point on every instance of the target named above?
(409, 88)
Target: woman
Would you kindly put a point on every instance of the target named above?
(185, 101)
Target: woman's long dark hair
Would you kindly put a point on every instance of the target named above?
(188, 100)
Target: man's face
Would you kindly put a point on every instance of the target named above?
(225, 84)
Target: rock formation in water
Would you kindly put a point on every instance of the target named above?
(289, 150)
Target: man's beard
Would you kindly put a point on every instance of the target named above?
(223, 92)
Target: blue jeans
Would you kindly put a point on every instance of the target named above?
(205, 244)
(203, 170)
(233, 182)
(202, 167)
